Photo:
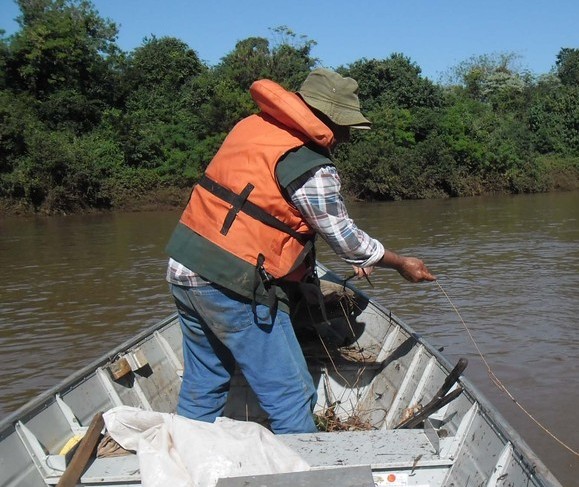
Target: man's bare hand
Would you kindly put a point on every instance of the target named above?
(414, 270)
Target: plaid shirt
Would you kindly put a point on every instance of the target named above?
(320, 202)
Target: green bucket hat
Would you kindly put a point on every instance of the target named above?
(334, 96)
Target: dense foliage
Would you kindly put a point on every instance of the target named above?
(85, 125)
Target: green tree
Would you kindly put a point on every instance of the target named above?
(83, 124)
(4, 50)
(286, 61)
(291, 58)
(567, 66)
(61, 173)
(156, 127)
(162, 64)
(65, 57)
(554, 118)
(490, 77)
(402, 106)
(17, 117)
(60, 44)
(464, 127)
(222, 96)
(247, 62)
(395, 81)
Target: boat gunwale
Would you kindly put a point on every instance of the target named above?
(34, 406)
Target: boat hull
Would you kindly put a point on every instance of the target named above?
(372, 370)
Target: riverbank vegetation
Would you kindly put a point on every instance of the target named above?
(84, 125)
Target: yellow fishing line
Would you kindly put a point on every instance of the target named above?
(497, 381)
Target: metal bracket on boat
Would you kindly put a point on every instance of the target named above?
(72, 420)
(440, 399)
(131, 361)
(49, 466)
(432, 436)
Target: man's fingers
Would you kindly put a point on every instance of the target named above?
(363, 271)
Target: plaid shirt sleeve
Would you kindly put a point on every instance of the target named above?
(320, 202)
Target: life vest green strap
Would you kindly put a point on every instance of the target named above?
(296, 163)
(220, 267)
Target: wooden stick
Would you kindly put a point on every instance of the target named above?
(440, 398)
(82, 455)
(429, 409)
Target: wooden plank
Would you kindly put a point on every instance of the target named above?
(120, 368)
(84, 452)
(440, 399)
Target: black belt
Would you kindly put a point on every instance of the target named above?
(239, 202)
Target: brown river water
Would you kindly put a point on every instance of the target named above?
(72, 287)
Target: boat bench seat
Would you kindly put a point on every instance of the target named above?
(123, 469)
(383, 449)
(360, 476)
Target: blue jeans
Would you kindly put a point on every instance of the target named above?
(219, 330)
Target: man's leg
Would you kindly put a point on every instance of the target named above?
(269, 356)
(280, 378)
(208, 365)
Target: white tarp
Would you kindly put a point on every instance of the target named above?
(181, 452)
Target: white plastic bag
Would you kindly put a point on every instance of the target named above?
(181, 452)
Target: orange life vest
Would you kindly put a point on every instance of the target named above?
(240, 183)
